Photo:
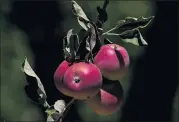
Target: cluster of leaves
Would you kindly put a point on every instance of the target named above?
(92, 36)
(83, 48)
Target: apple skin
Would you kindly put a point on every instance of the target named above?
(83, 80)
(59, 75)
(113, 61)
(60, 71)
(108, 100)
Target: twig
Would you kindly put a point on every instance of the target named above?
(109, 31)
(65, 111)
(113, 34)
(68, 108)
(71, 102)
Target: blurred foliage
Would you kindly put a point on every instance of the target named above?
(14, 103)
(14, 46)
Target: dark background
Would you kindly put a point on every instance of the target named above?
(35, 29)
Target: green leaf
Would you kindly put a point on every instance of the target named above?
(26, 68)
(73, 42)
(66, 48)
(70, 44)
(133, 37)
(59, 106)
(50, 112)
(91, 39)
(102, 16)
(80, 14)
(130, 36)
(133, 23)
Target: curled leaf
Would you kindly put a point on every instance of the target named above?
(134, 37)
(92, 37)
(70, 44)
(59, 106)
(87, 43)
(69, 34)
(93, 41)
(66, 48)
(130, 23)
(82, 50)
(73, 42)
(81, 16)
(99, 37)
(102, 16)
(40, 89)
(133, 23)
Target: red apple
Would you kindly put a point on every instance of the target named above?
(60, 71)
(83, 80)
(108, 100)
(59, 75)
(113, 61)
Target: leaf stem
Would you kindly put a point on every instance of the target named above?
(109, 31)
(113, 34)
(46, 104)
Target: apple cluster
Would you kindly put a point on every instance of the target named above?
(91, 69)
(93, 64)
(84, 80)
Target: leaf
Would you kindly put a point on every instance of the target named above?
(74, 44)
(97, 38)
(107, 41)
(69, 34)
(82, 50)
(70, 44)
(130, 36)
(102, 16)
(66, 48)
(92, 37)
(60, 109)
(81, 16)
(134, 37)
(59, 106)
(50, 112)
(40, 89)
(91, 41)
(31, 89)
(53, 114)
(50, 118)
(133, 23)
(87, 43)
